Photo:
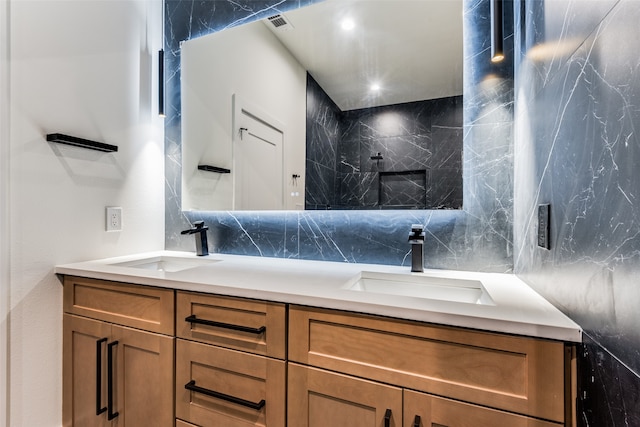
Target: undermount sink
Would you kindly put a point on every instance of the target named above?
(421, 286)
(167, 263)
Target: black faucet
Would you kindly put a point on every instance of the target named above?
(200, 230)
(416, 238)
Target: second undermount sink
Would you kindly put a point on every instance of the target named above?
(167, 263)
(421, 286)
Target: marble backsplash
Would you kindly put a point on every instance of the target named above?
(577, 148)
(478, 237)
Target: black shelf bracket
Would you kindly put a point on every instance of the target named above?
(216, 169)
(81, 142)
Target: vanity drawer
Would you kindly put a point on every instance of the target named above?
(254, 326)
(228, 387)
(137, 306)
(518, 374)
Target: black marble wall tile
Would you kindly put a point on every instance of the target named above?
(323, 133)
(445, 148)
(400, 138)
(349, 189)
(395, 120)
(456, 239)
(448, 182)
(554, 30)
(320, 191)
(370, 190)
(349, 156)
(399, 153)
(609, 393)
(578, 149)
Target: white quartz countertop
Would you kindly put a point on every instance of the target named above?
(515, 309)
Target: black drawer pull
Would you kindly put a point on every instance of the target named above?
(99, 408)
(257, 331)
(387, 418)
(110, 414)
(191, 385)
(416, 421)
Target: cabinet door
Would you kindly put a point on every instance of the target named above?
(143, 378)
(221, 387)
(320, 398)
(84, 380)
(438, 412)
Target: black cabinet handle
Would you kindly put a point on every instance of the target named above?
(416, 421)
(257, 331)
(110, 414)
(99, 408)
(387, 418)
(191, 385)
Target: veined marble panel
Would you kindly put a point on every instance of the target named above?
(577, 148)
(609, 393)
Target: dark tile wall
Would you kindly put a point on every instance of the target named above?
(479, 237)
(609, 391)
(323, 137)
(578, 148)
(402, 156)
(420, 145)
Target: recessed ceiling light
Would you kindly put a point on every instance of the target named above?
(374, 87)
(348, 24)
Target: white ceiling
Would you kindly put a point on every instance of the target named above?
(412, 48)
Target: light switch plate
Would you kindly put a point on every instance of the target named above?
(544, 225)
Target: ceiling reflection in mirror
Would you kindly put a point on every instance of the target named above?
(296, 112)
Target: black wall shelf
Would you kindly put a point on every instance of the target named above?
(81, 142)
(216, 169)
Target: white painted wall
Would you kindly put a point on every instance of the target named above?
(251, 62)
(4, 210)
(86, 68)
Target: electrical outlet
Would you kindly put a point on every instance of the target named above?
(544, 226)
(114, 218)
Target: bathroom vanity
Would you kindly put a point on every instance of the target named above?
(172, 339)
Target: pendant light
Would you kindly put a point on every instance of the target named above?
(497, 33)
(161, 71)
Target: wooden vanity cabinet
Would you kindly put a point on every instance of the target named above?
(189, 359)
(115, 374)
(488, 379)
(230, 361)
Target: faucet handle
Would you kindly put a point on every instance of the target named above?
(197, 227)
(417, 232)
(200, 225)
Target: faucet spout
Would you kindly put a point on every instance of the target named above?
(416, 238)
(200, 231)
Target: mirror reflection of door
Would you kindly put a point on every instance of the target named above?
(258, 159)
